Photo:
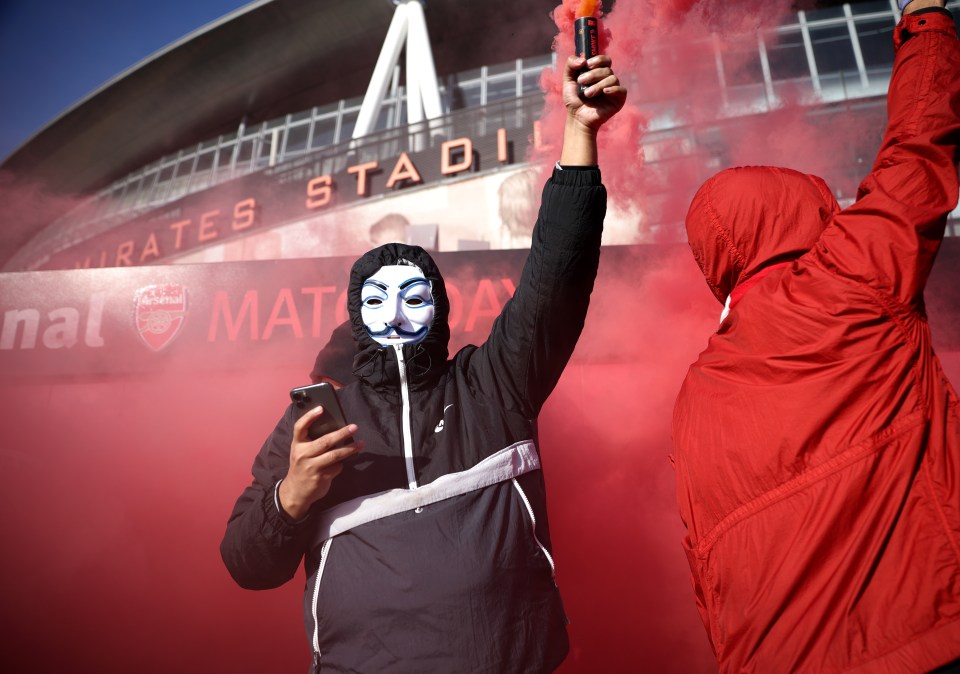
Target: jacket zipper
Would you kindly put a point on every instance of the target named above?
(533, 522)
(324, 552)
(407, 433)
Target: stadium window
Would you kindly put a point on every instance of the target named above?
(832, 49)
(742, 67)
(266, 146)
(532, 70)
(347, 124)
(384, 118)
(224, 157)
(147, 183)
(296, 140)
(787, 57)
(203, 171)
(324, 132)
(501, 87)
(876, 36)
(166, 173)
(244, 154)
(162, 186)
(181, 177)
(468, 89)
(328, 109)
(873, 7)
(132, 191)
(835, 12)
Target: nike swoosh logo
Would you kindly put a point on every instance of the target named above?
(439, 427)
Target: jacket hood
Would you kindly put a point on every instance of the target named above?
(423, 359)
(335, 359)
(745, 219)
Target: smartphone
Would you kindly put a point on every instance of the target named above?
(305, 398)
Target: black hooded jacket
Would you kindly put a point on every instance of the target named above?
(461, 580)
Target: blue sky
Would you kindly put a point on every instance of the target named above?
(54, 53)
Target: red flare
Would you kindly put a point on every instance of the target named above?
(587, 8)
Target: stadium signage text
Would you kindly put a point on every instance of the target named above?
(271, 198)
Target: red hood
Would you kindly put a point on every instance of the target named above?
(744, 219)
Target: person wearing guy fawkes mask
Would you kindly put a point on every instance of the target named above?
(428, 551)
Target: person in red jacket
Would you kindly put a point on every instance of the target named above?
(817, 439)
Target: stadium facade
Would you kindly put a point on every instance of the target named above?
(239, 143)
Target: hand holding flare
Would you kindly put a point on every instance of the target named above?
(601, 98)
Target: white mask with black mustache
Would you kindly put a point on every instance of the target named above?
(396, 305)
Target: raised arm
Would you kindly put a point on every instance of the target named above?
(890, 236)
(535, 334)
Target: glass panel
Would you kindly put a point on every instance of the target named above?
(501, 88)
(468, 75)
(204, 162)
(538, 62)
(163, 183)
(833, 50)
(328, 109)
(385, 118)
(185, 166)
(245, 154)
(149, 180)
(787, 58)
(323, 132)
(500, 68)
(742, 67)
(263, 157)
(876, 42)
(300, 116)
(465, 95)
(531, 82)
(825, 13)
(870, 7)
(166, 173)
(224, 156)
(296, 140)
(347, 125)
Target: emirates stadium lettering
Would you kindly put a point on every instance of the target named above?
(272, 197)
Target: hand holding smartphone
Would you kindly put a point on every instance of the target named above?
(306, 398)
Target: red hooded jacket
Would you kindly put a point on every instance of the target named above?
(816, 439)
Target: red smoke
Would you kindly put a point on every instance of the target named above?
(666, 54)
(27, 201)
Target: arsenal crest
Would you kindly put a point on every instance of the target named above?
(159, 313)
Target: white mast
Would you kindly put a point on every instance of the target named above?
(423, 95)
